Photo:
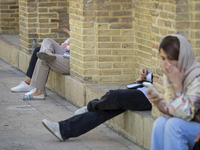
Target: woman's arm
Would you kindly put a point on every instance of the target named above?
(157, 101)
(186, 105)
(66, 31)
(175, 77)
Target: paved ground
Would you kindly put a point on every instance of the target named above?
(21, 127)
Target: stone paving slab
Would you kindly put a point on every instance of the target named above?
(21, 127)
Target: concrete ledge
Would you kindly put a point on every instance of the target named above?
(9, 50)
(75, 91)
(135, 126)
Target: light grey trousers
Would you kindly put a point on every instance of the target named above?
(60, 64)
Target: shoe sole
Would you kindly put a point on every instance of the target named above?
(45, 56)
(27, 90)
(51, 131)
(33, 99)
(30, 97)
(18, 91)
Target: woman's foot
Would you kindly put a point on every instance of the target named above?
(34, 90)
(38, 94)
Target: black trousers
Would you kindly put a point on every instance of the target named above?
(32, 62)
(110, 105)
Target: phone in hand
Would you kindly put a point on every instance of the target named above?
(148, 85)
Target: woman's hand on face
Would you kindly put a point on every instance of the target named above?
(174, 75)
(154, 98)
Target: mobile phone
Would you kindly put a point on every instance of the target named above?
(134, 85)
(148, 85)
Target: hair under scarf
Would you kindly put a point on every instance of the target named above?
(187, 59)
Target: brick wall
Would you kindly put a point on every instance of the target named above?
(143, 34)
(102, 41)
(194, 34)
(83, 49)
(9, 17)
(42, 19)
(110, 39)
(115, 41)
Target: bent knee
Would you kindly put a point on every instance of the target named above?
(173, 123)
(160, 122)
(174, 127)
(47, 41)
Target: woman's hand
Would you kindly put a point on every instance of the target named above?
(66, 31)
(157, 101)
(143, 73)
(197, 138)
(64, 46)
(154, 98)
(175, 76)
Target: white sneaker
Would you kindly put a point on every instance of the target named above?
(81, 110)
(31, 92)
(53, 127)
(22, 87)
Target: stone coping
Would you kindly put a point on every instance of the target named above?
(12, 39)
